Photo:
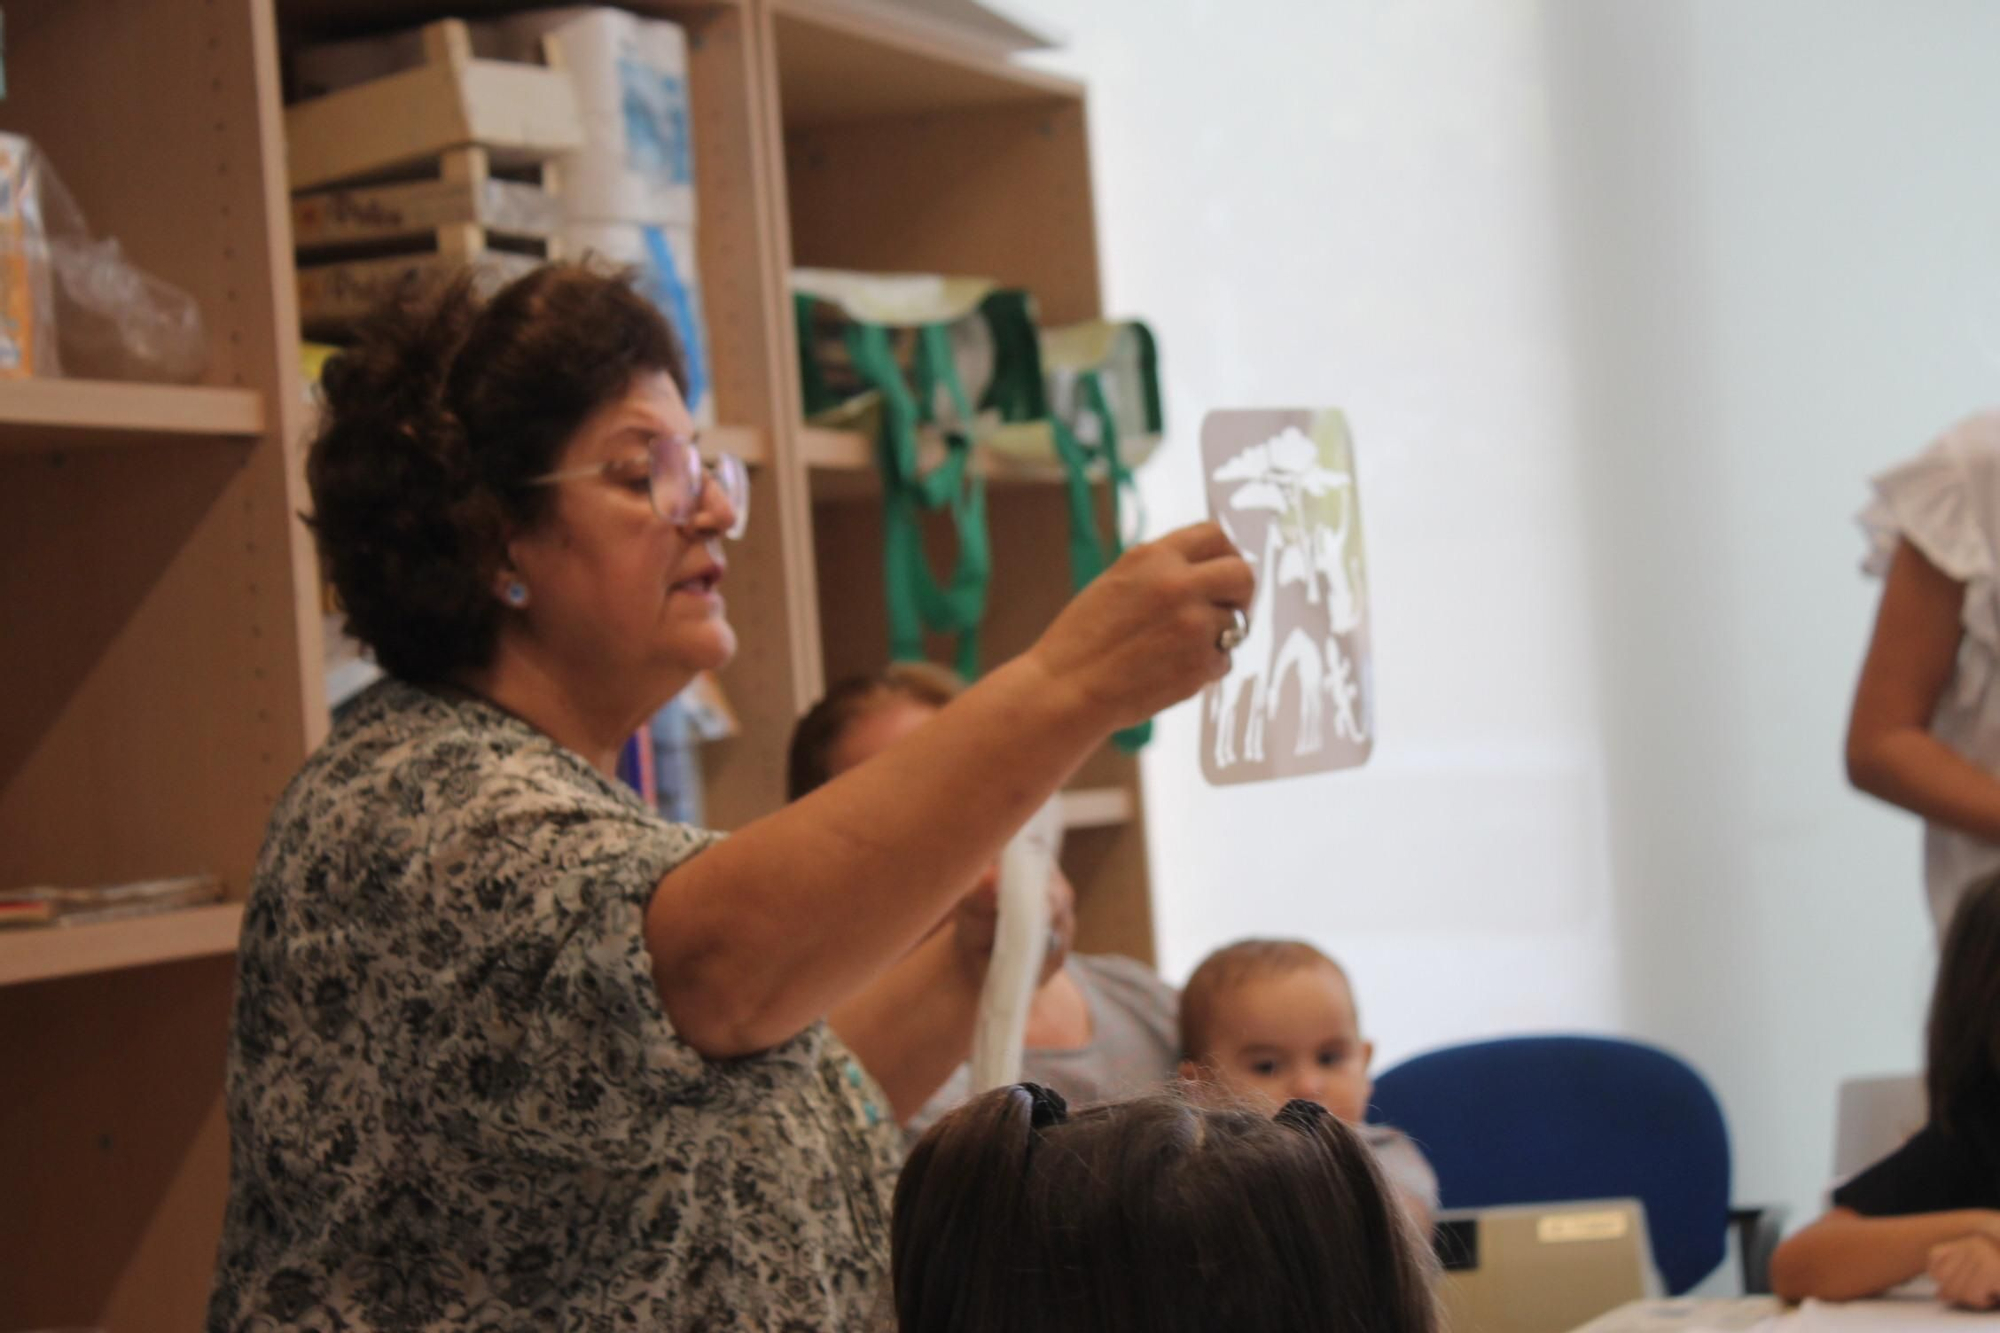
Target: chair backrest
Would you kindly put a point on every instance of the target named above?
(1873, 1117)
(1540, 1119)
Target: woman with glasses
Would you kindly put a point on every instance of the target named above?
(509, 1050)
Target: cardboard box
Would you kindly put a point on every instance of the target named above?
(665, 259)
(629, 76)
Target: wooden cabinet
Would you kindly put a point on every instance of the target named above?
(161, 678)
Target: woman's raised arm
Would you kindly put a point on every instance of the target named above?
(767, 931)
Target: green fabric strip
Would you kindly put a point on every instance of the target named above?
(915, 601)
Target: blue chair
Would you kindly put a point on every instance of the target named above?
(1546, 1119)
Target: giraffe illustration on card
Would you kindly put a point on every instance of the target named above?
(1283, 487)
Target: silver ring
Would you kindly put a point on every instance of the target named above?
(1052, 943)
(1232, 635)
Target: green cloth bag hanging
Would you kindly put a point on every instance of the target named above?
(908, 344)
(1066, 382)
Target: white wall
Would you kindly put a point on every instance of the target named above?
(1352, 205)
(1781, 229)
(1624, 302)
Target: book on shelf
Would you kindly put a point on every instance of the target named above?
(45, 905)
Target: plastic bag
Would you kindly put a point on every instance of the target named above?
(73, 305)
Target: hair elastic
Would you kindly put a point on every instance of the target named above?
(1302, 1115)
(1049, 1106)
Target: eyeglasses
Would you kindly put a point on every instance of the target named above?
(677, 478)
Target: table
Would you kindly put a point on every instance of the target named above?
(1767, 1314)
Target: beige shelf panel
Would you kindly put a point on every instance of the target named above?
(843, 464)
(46, 953)
(839, 60)
(71, 414)
(327, 17)
(1097, 807)
(746, 442)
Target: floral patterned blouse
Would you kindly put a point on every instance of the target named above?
(455, 1101)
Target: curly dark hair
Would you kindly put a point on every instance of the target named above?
(448, 401)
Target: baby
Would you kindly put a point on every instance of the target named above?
(1275, 1020)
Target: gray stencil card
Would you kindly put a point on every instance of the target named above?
(1300, 693)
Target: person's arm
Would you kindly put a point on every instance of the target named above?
(1891, 752)
(771, 929)
(913, 1025)
(1845, 1256)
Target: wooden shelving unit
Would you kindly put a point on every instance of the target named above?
(151, 552)
(162, 678)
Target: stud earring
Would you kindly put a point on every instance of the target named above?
(516, 594)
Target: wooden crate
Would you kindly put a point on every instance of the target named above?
(521, 114)
(463, 196)
(333, 297)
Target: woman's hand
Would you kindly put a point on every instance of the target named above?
(1142, 636)
(977, 916)
(1967, 1272)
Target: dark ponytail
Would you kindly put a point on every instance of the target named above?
(447, 402)
(964, 1182)
(1153, 1215)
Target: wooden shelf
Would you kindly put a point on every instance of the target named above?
(843, 463)
(843, 60)
(746, 442)
(325, 18)
(43, 953)
(1097, 807)
(71, 414)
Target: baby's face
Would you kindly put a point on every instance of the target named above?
(1293, 1035)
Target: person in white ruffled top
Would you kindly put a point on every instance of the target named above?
(1925, 729)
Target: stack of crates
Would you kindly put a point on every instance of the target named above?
(425, 158)
(618, 184)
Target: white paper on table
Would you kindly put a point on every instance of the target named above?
(1020, 937)
(1889, 1315)
(1763, 1314)
(1683, 1314)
